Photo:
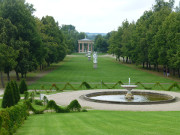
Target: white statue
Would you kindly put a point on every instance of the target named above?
(95, 57)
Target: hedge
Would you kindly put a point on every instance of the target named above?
(88, 86)
(72, 107)
(12, 118)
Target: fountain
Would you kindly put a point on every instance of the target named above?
(129, 87)
(129, 97)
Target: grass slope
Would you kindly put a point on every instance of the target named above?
(103, 123)
(78, 69)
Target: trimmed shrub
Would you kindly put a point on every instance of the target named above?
(38, 102)
(84, 110)
(26, 95)
(74, 106)
(174, 85)
(52, 105)
(22, 86)
(12, 118)
(8, 98)
(15, 91)
(32, 96)
(30, 107)
(86, 85)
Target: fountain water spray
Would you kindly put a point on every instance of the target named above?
(129, 87)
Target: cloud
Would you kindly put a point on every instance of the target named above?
(92, 15)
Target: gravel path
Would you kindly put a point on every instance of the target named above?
(65, 98)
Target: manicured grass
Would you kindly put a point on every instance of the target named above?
(78, 69)
(102, 123)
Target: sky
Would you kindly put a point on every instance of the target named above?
(94, 16)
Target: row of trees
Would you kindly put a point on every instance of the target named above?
(153, 40)
(27, 42)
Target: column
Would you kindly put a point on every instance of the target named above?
(79, 47)
(91, 47)
(88, 47)
(82, 47)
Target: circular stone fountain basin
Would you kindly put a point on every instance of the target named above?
(118, 97)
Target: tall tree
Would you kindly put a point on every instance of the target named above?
(20, 14)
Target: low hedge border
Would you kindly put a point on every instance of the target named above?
(74, 106)
(88, 86)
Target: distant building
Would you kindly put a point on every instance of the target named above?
(85, 45)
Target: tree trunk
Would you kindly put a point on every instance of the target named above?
(42, 66)
(174, 71)
(126, 59)
(2, 82)
(123, 59)
(143, 64)
(17, 76)
(147, 65)
(157, 67)
(8, 77)
(154, 67)
(22, 75)
(179, 72)
(25, 75)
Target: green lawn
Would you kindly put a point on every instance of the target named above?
(102, 123)
(78, 69)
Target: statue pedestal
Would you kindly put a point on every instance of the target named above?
(89, 58)
(95, 65)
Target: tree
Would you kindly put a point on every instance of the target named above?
(71, 36)
(53, 40)
(170, 45)
(8, 98)
(20, 15)
(7, 35)
(101, 44)
(22, 86)
(8, 57)
(15, 91)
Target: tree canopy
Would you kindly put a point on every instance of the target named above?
(153, 40)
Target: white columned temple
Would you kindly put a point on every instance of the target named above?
(85, 45)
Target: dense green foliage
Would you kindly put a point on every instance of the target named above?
(16, 92)
(12, 118)
(101, 43)
(11, 95)
(26, 42)
(153, 40)
(71, 37)
(103, 123)
(23, 86)
(8, 98)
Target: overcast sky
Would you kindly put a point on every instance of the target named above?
(95, 16)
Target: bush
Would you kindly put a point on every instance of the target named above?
(38, 102)
(26, 95)
(8, 98)
(52, 105)
(74, 106)
(22, 86)
(30, 107)
(12, 118)
(15, 91)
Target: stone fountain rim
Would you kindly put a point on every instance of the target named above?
(124, 86)
(87, 97)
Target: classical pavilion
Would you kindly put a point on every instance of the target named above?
(85, 45)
